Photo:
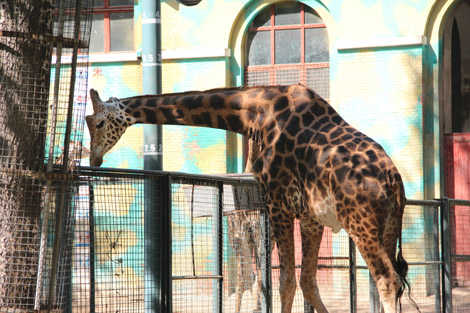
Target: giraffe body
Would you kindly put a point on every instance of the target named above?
(310, 163)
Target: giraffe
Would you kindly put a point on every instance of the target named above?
(309, 162)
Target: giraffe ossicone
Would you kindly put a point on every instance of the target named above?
(310, 163)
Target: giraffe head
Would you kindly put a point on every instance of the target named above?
(106, 125)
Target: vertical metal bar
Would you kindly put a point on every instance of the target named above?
(157, 247)
(217, 232)
(50, 163)
(167, 250)
(437, 281)
(446, 256)
(220, 240)
(63, 187)
(266, 271)
(352, 276)
(91, 230)
(374, 302)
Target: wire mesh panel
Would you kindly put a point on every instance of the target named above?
(196, 246)
(422, 252)
(246, 250)
(315, 76)
(110, 261)
(24, 89)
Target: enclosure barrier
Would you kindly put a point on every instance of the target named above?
(208, 247)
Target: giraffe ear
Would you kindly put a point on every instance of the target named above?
(96, 101)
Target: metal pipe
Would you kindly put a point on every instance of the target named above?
(446, 256)
(155, 277)
(91, 251)
(352, 276)
(219, 277)
(50, 161)
(151, 77)
(61, 206)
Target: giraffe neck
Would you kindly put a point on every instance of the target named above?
(235, 109)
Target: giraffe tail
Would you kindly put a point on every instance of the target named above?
(402, 270)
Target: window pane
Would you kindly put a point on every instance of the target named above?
(120, 2)
(122, 31)
(287, 13)
(287, 47)
(97, 33)
(263, 18)
(98, 3)
(259, 48)
(316, 45)
(311, 17)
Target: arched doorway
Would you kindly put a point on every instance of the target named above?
(455, 109)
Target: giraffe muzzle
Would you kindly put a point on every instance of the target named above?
(96, 160)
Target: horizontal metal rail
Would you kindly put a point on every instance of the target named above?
(424, 202)
(460, 258)
(459, 202)
(229, 179)
(197, 277)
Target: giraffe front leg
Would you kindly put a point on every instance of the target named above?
(282, 226)
(312, 233)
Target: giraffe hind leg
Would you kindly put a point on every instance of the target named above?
(381, 266)
(312, 234)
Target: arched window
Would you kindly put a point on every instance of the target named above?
(287, 43)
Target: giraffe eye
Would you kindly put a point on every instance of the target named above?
(100, 124)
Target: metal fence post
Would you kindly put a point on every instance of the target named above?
(266, 283)
(157, 250)
(217, 231)
(352, 276)
(446, 256)
(91, 231)
(437, 286)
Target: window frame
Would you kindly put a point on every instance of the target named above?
(106, 10)
(270, 71)
(272, 28)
